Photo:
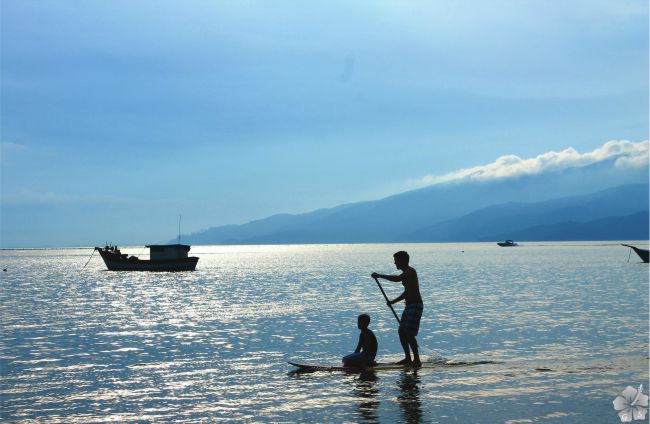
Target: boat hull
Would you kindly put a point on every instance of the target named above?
(643, 253)
(507, 244)
(117, 262)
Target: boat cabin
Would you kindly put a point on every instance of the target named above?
(160, 252)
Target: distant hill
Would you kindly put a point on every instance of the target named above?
(630, 227)
(454, 211)
(517, 220)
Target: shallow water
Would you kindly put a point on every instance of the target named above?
(567, 324)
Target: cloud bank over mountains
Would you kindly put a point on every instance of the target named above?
(625, 154)
(597, 195)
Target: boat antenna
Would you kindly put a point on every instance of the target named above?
(179, 228)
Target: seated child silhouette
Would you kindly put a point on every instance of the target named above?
(364, 354)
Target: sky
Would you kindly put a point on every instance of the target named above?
(118, 116)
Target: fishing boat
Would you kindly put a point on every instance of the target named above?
(162, 257)
(643, 253)
(507, 243)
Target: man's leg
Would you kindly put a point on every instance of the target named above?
(417, 315)
(416, 354)
(404, 340)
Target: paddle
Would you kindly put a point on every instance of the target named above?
(386, 297)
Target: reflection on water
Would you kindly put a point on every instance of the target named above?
(565, 326)
(366, 388)
(409, 396)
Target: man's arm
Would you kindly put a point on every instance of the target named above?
(394, 278)
(397, 299)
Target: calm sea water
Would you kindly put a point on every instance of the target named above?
(567, 324)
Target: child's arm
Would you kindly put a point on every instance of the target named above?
(358, 349)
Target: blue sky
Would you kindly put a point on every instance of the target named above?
(116, 116)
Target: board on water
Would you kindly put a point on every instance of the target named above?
(385, 366)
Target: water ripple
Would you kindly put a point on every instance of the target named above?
(566, 327)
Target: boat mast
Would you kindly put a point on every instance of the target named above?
(179, 228)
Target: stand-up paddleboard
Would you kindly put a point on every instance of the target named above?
(385, 366)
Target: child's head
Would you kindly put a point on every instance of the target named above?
(363, 321)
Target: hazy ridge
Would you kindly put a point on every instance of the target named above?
(571, 204)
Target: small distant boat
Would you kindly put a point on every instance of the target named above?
(162, 257)
(643, 253)
(507, 243)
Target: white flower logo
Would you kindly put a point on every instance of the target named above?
(632, 404)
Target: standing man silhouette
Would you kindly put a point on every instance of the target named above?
(410, 322)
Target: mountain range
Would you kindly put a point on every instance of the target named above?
(597, 202)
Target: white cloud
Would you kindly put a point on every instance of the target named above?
(9, 145)
(7, 148)
(25, 196)
(624, 153)
(32, 197)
